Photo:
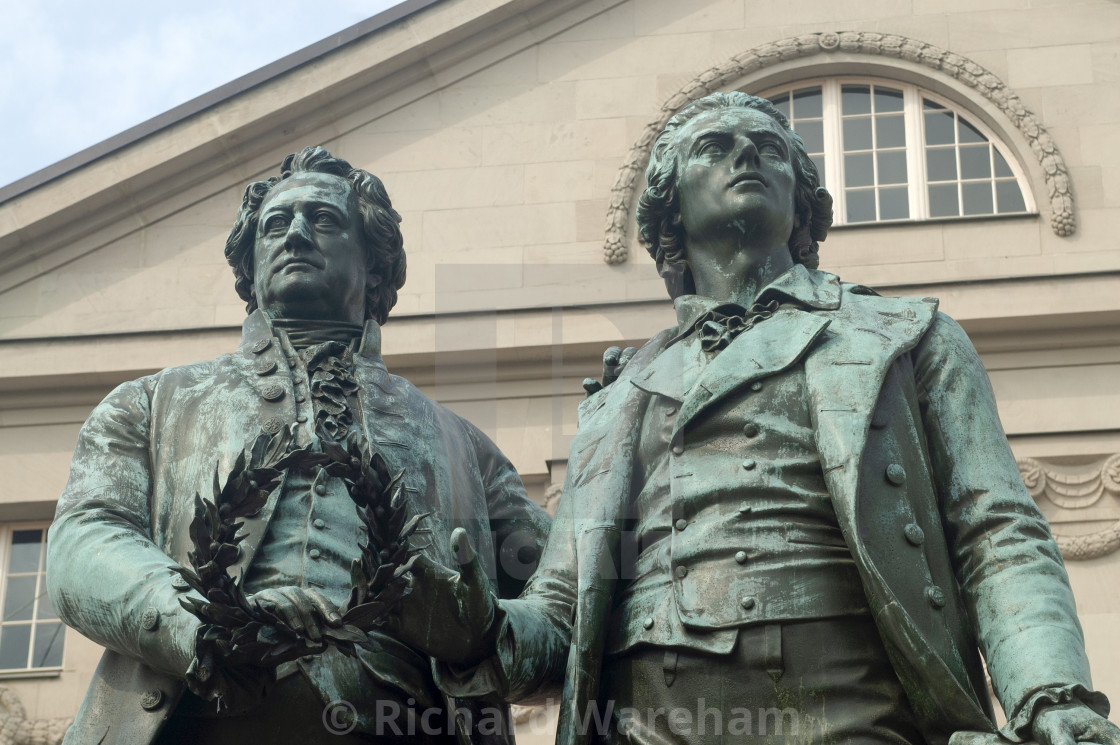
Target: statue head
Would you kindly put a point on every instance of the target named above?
(659, 206)
(329, 241)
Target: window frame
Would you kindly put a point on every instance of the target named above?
(7, 531)
(917, 180)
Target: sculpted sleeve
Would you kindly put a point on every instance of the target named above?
(105, 575)
(1010, 570)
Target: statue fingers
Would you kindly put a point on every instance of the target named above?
(323, 607)
(297, 611)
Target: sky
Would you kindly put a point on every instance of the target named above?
(74, 73)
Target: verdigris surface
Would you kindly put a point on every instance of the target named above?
(242, 477)
(793, 517)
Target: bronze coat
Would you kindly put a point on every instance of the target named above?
(892, 384)
(123, 520)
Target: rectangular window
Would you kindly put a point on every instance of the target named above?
(31, 634)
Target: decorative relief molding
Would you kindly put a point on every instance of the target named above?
(17, 729)
(1077, 488)
(858, 42)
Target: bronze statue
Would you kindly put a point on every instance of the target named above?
(794, 517)
(241, 476)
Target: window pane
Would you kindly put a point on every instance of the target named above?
(931, 105)
(894, 204)
(812, 133)
(939, 128)
(46, 607)
(941, 164)
(855, 99)
(48, 645)
(1002, 169)
(20, 600)
(781, 103)
(887, 99)
(977, 198)
(890, 131)
(892, 167)
(861, 205)
(818, 161)
(807, 103)
(974, 162)
(857, 170)
(943, 201)
(24, 556)
(857, 134)
(969, 133)
(14, 641)
(1008, 197)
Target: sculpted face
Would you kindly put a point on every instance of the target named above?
(736, 176)
(309, 261)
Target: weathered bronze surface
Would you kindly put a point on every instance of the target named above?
(798, 501)
(293, 481)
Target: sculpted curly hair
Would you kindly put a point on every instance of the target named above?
(384, 243)
(658, 212)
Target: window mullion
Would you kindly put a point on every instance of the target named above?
(833, 149)
(915, 152)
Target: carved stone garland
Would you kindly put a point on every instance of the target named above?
(619, 213)
(1075, 490)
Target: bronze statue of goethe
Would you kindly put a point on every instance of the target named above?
(800, 480)
(318, 258)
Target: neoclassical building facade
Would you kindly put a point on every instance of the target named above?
(970, 148)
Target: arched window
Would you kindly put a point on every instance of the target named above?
(891, 151)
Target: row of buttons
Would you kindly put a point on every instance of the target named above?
(274, 392)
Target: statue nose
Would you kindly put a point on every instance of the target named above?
(747, 153)
(299, 233)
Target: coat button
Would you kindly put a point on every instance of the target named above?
(741, 557)
(896, 474)
(267, 367)
(681, 524)
(747, 602)
(671, 411)
(179, 582)
(749, 464)
(745, 510)
(273, 392)
(272, 425)
(648, 623)
(756, 386)
(314, 553)
(301, 419)
(319, 524)
(151, 700)
(914, 534)
(751, 429)
(149, 619)
(320, 488)
(261, 345)
(878, 420)
(678, 449)
(682, 572)
(936, 596)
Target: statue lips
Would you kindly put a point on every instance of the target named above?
(747, 177)
(298, 263)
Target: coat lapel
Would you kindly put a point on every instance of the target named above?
(843, 377)
(773, 345)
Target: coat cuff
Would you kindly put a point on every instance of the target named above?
(1018, 727)
(480, 679)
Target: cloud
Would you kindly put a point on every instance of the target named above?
(73, 74)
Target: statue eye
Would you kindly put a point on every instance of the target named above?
(711, 148)
(771, 147)
(325, 219)
(276, 223)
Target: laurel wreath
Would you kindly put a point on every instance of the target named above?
(240, 642)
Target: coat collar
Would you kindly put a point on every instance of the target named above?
(770, 347)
